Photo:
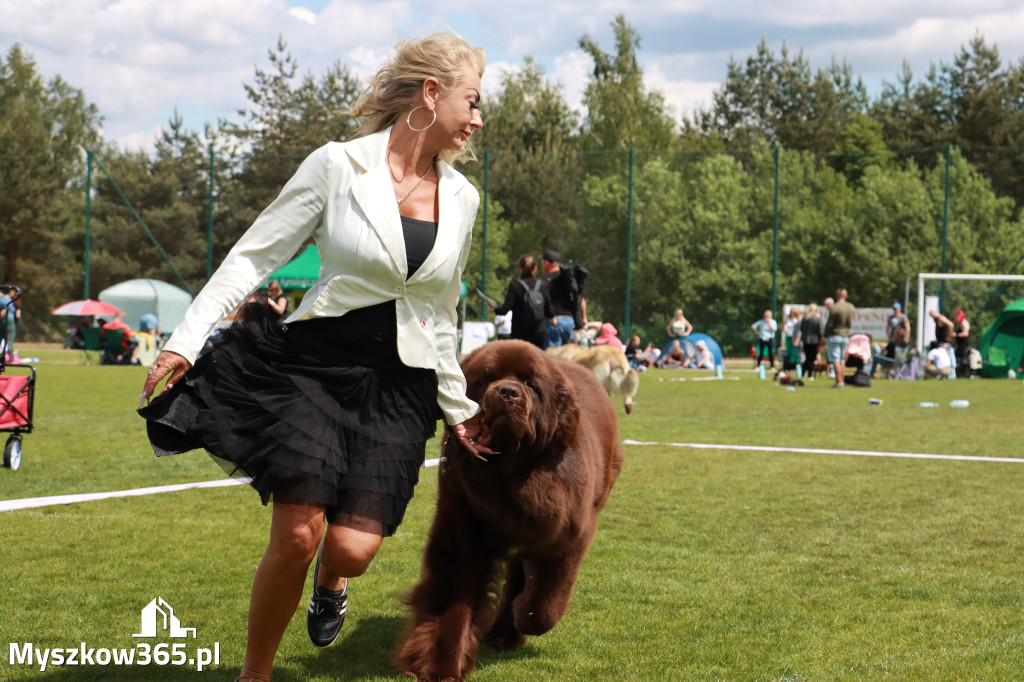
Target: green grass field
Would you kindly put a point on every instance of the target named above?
(709, 565)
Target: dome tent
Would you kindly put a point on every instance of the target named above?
(689, 345)
(136, 297)
(1002, 343)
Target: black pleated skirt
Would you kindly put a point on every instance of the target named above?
(309, 416)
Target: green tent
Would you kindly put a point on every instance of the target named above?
(301, 273)
(1002, 344)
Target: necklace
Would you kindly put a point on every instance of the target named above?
(418, 182)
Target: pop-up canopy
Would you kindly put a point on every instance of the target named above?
(301, 273)
(136, 297)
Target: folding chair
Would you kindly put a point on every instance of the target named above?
(900, 362)
(996, 363)
(92, 346)
(114, 352)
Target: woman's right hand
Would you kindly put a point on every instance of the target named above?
(168, 362)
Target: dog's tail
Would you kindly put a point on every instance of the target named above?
(628, 383)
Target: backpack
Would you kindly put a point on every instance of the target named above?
(531, 313)
(576, 277)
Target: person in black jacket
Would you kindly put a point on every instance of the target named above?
(810, 338)
(515, 301)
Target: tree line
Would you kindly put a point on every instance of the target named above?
(858, 191)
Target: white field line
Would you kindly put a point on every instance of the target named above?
(822, 451)
(33, 502)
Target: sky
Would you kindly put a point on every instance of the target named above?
(140, 61)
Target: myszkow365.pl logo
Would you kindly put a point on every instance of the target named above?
(157, 619)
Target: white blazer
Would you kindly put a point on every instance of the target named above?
(342, 196)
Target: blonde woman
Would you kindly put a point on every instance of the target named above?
(679, 327)
(329, 414)
(791, 334)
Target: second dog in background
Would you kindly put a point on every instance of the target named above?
(787, 379)
(608, 364)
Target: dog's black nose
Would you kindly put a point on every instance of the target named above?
(509, 391)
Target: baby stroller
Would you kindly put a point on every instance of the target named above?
(17, 395)
(858, 356)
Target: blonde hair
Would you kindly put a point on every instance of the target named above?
(394, 90)
(812, 309)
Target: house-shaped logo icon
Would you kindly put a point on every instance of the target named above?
(150, 620)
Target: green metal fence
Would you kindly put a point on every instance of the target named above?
(722, 234)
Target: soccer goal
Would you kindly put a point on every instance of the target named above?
(982, 297)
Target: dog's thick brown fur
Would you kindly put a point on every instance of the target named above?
(609, 365)
(519, 524)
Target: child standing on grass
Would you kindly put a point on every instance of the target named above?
(765, 328)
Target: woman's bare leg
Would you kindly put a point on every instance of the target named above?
(345, 553)
(295, 534)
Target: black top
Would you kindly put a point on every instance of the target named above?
(515, 300)
(284, 314)
(373, 329)
(963, 343)
(810, 330)
(560, 292)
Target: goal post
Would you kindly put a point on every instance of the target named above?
(922, 277)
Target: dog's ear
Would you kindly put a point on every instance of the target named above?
(566, 416)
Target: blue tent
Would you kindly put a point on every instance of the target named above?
(688, 344)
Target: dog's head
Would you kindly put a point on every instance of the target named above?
(526, 400)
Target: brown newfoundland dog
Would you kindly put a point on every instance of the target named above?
(519, 524)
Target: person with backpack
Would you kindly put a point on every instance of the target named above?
(565, 285)
(529, 302)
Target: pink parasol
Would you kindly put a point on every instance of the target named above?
(86, 308)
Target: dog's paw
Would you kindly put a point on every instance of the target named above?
(430, 678)
(506, 641)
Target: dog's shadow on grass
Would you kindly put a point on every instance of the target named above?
(367, 652)
(363, 652)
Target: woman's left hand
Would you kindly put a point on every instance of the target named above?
(468, 432)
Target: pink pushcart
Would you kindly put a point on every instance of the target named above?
(17, 395)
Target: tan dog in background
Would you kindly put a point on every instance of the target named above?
(608, 364)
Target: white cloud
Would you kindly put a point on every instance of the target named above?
(683, 96)
(572, 70)
(138, 59)
(302, 14)
(927, 41)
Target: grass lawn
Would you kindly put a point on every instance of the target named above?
(710, 564)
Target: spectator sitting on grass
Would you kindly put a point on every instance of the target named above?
(938, 366)
(676, 356)
(704, 358)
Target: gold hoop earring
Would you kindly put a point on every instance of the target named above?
(408, 119)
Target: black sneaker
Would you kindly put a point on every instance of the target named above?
(326, 613)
